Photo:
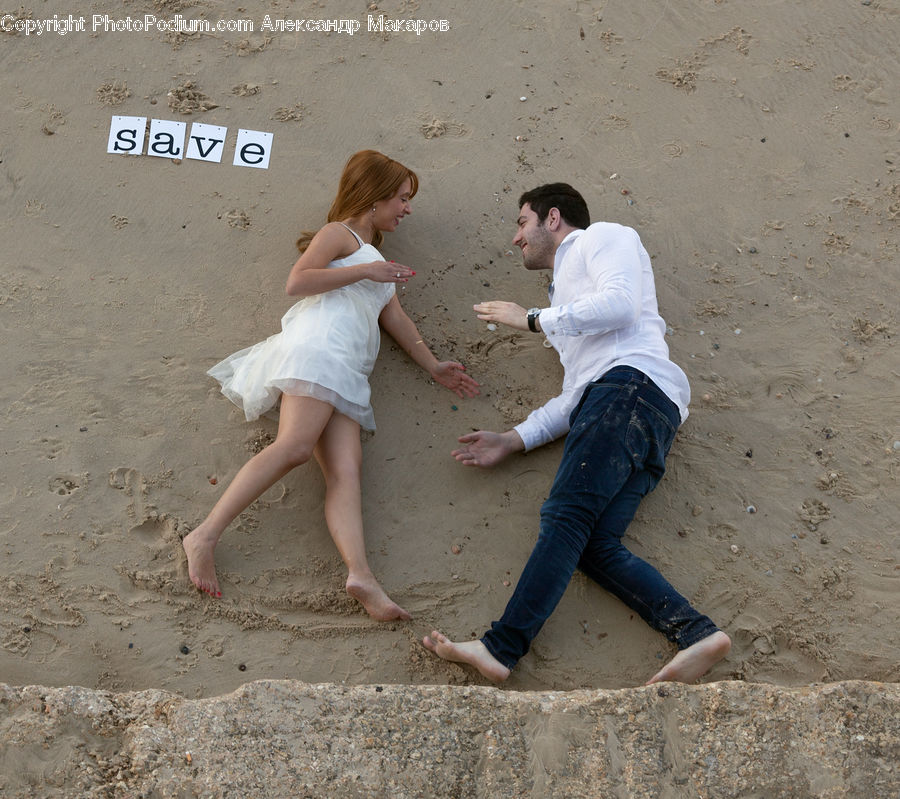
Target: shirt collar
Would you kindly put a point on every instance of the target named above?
(564, 246)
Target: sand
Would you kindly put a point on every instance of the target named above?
(752, 144)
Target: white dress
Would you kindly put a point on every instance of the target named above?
(326, 350)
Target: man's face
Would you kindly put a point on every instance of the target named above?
(534, 239)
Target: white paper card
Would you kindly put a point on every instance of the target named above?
(206, 142)
(126, 135)
(166, 138)
(253, 148)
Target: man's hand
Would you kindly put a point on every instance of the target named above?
(484, 448)
(506, 313)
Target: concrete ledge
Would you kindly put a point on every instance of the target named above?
(285, 738)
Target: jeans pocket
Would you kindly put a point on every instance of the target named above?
(650, 435)
(596, 402)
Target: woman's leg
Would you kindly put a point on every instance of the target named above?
(339, 453)
(300, 425)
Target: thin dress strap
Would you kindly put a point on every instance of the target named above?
(361, 242)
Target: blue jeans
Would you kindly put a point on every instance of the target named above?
(615, 452)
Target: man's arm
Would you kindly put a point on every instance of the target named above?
(612, 256)
(505, 313)
(484, 448)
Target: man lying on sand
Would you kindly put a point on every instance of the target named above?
(621, 403)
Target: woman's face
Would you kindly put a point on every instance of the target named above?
(388, 213)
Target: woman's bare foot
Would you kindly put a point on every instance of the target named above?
(199, 549)
(690, 664)
(366, 590)
(474, 653)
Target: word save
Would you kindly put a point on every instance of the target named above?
(166, 139)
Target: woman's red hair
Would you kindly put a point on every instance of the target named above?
(368, 176)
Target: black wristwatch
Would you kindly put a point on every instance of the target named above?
(533, 314)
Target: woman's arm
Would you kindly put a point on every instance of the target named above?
(402, 329)
(310, 274)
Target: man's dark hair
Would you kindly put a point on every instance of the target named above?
(563, 197)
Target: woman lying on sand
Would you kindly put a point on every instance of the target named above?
(318, 367)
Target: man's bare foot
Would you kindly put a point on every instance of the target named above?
(366, 590)
(690, 664)
(474, 653)
(199, 549)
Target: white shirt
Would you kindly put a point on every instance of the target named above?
(602, 314)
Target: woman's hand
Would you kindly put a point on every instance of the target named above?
(452, 375)
(388, 272)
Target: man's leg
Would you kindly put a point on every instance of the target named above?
(638, 584)
(596, 463)
(634, 581)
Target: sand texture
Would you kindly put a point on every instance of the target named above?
(752, 143)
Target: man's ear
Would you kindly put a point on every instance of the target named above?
(553, 220)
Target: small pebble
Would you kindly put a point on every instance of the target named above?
(242, 667)
(185, 650)
(737, 331)
(751, 509)
(453, 408)
(506, 583)
(734, 549)
(213, 480)
(492, 326)
(753, 250)
(455, 549)
(523, 99)
(82, 429)
(26, 629)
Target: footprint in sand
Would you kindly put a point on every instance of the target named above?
(66, 484)
(159, 564)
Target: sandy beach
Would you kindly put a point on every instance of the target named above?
(753, 145)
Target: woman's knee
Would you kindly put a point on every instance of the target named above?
(342, 471)
(292, 453)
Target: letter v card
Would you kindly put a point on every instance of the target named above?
(206, 142)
